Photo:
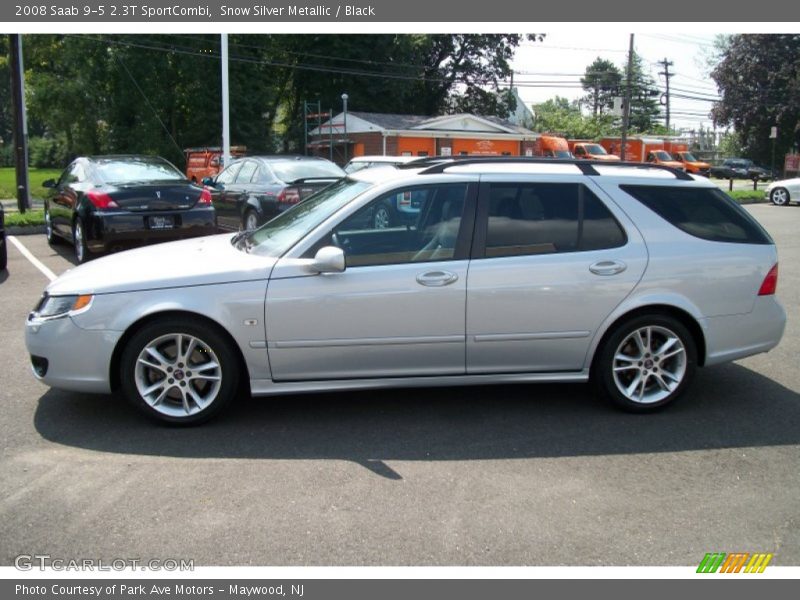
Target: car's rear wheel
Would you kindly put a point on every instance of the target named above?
(79, 241)
(250, 220)
(779, 196)
(179, 371)
(646, 363)
(383, 217)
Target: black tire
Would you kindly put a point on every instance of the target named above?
(49, 233)
(250, 217)
(79, 241)
(383, 217)
(779, 196)
(658, 374)
(3, 252)
(172, 406)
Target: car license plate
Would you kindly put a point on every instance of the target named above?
(161, 222)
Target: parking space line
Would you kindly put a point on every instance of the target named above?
(33, 260)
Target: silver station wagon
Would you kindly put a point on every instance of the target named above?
(512, 270)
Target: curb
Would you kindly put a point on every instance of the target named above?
(25, 230)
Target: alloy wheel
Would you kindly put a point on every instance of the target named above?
(178, 375)
(649, 364)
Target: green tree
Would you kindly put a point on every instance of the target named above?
(645, 107)
(759, 82)
(602, 80)
(559, 115)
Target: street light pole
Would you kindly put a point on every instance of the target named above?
(20, 122)
(344, 104)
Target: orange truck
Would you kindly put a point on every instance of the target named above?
(680, 152)
(551, 146)
(590, 150)
(642, 149)
(207, 161)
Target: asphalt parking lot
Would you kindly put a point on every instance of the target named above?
(506, 475)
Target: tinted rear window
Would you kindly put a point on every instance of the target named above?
(705, 213)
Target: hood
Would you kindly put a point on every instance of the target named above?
(197, 261)
(699, 164)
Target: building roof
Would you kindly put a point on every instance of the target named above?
(359, 122)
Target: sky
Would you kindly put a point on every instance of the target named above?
(554, 67)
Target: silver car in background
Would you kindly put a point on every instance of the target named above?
(513, 270)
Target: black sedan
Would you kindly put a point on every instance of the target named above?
(252, 190)
(106, 203)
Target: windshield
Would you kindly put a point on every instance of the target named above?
(563, 154)
(275, 237)
(136, 169)
(595, 149)
(662, 155)
(292, 170)
(687, 156)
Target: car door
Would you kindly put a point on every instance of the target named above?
(551, 262)
(397, 309)
(220, 194)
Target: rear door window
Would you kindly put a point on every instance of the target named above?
(545, 218)
(708, 214)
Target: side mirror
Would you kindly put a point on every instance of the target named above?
(209, 181)
(49, 183)
(328, 259)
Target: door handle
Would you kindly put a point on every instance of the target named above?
(608, 267)
(436, 278)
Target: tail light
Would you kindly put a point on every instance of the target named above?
(101, 200)
(770, 283)
(205, 197)
(289, 195)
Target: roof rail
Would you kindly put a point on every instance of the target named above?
(439, 164)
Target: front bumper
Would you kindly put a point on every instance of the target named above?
(123, 229)
(76, 359)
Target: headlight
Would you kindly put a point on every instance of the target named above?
(52, 307)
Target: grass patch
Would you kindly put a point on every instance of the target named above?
(31, 218)
(747, 196)
(8, 181)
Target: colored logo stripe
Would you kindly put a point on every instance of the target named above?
(734, 562)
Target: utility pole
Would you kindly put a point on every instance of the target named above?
(666, 64)
(20, 123)
(626, 113)
(226, 109)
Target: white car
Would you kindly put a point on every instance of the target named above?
(511, 271)
(782, 192)
(369, 162)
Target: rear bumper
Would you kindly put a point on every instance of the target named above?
(117, 230)
(736, 336)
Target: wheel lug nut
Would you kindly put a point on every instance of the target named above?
(180, 365)
(171, 380)
(183, 384)
(169, 369)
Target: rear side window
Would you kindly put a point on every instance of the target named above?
(545, 218)
(705, 213)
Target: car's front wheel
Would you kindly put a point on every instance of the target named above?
(179, 371)
(646, 363)
(779, 196)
